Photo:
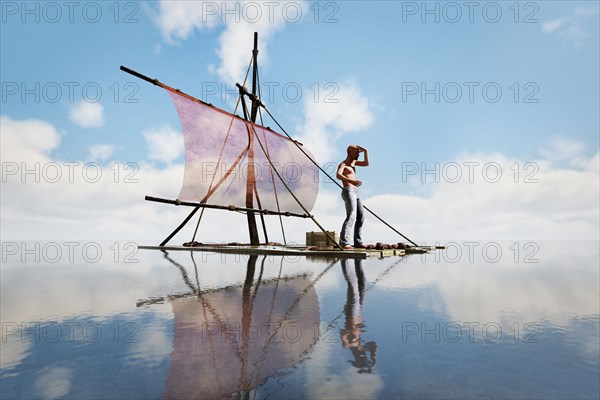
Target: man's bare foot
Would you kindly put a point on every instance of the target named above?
(347, 247)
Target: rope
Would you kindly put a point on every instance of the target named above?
(271, 172)
(333, 180)
(221, 154)
(290, 190)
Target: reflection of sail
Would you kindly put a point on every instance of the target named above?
(226, 342)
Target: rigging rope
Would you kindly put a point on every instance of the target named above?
(292, 193)
(220, 155)
(333, 180)
(271, 172)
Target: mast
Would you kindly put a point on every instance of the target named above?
(254, 79)
(251, 180)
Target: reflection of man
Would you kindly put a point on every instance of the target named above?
(354, 210)
(354, 325)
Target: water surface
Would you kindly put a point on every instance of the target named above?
(478, 320)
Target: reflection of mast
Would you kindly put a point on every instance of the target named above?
(247, 323)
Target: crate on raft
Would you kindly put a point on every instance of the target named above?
(320, 239)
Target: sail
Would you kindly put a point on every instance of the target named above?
(226, 162)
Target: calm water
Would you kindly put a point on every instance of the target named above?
(478, 320)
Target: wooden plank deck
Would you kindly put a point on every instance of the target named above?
(293, 251)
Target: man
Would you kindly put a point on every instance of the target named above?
(354, 211)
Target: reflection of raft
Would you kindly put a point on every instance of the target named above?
(291, 251)
(233, 339)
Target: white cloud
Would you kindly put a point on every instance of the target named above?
(553, 25)
(348, 111)
(67, 200)
(345, 383)
(571, 27)
(563, 204)
(546, 200)
(515, 286)
(53, 382)
(178, 20)
(156, 49)
(12, 347)
(101, 152)
(586, 12)
(237, 39)
(86, 114)
(561, 148)
(30, 139)
(164, 144)
(47, 198)
(151, 347)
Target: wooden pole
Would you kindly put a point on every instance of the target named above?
(254, 78)
(253, 113)
(251, 178)
(219, 207)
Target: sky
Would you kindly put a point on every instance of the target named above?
(481, 118)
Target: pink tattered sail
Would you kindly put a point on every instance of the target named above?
(226, 162)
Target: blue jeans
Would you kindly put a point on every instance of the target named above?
(354, 217)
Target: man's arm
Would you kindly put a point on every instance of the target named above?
(365, 161)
